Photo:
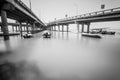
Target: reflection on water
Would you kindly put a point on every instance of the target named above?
(66, 56)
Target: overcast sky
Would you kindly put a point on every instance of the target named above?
(47, 10)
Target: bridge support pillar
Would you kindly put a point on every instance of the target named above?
(54, 28)
(4, 24)
(88, 27)
(33, 28)
(0, 29)
(20, 27)
(50, 28)
(62, 28)
(12, 28)
(27, 27)
(67, 28)
(16, 28)
(24, 29)
(58, 28)
(78, 27)
(82, 28)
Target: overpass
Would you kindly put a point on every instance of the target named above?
(86, 19)
(17, 10)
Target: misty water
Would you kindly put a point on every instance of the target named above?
(65, 56)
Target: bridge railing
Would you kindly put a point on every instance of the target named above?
(97, 13)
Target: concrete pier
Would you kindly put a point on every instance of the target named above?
(62, 28)
(33, 28)
(27, 27)
(67, 28)
(78, 27)
(4, 24)
(82, 30)
(54, 28)
(88, 27)
(13, 28)
(20, 28)
(58, 27)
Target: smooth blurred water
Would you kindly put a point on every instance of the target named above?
(68, 56)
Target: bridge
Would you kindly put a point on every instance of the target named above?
(25, 27)
(17, 10)
(86, 19)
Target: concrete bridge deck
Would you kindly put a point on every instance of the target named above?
(86, 19)
(17, 10)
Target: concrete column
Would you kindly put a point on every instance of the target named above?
(54, 28)
(27, 27)
(24, 30)
(78, 27)
(16, 28)
(62, 28)
(4, 24)
(33, 28)
(12, 28)
(82, 27)
(67, 28)
(51, 28)
(58, 27)
(88, 27)
(20, 28)
(0, 29)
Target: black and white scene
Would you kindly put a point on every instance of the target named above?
(59, 39)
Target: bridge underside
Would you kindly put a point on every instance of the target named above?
(17, 10)
(90, 20)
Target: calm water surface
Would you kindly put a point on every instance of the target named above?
(67, 56)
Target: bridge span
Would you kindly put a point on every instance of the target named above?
(17, 10)
(86, 19)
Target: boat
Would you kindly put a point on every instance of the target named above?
(28, 35)
(46, 35)
(108, 32)
(91, 35)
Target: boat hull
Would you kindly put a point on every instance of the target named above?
(91, 35)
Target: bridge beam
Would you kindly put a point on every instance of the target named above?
(4, 24)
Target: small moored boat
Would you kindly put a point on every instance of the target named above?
(27, 35)
(91, 35)
(47, 35)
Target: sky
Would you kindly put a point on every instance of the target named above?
(48, 10)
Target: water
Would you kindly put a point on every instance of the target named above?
(66, 56)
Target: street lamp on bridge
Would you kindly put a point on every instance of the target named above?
(102, 6)
(30, 4)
